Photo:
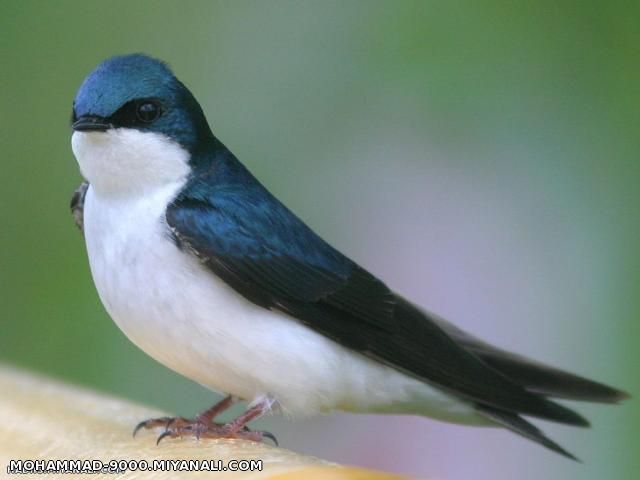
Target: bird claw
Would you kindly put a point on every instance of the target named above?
(203, 425)
(182, 427)
(270, 436)
(166, 433)
(153, 423)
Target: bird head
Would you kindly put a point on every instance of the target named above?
(135, 125)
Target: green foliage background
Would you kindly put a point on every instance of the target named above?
(482, 156)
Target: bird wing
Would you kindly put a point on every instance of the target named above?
(534, 376)
(77, 205)
(268, 255)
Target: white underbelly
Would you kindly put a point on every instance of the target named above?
(181, 314)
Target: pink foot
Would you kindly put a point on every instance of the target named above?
(203, 426)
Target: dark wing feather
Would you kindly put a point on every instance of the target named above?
(77, 205)
(268, 255)
(534, 376)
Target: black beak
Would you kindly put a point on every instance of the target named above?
(90, 123)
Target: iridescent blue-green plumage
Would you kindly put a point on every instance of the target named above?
(121, 81)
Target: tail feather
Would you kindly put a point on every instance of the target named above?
(559, 413)
(534, 376)
(519, 425)
(543, 381)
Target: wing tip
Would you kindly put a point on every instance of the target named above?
(618, 396)
(585, 391)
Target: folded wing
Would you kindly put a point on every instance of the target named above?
(261, 249)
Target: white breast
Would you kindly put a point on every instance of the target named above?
(177, 311)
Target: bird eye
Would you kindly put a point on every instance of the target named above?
(148, 112)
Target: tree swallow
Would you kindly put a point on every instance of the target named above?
(208, 273)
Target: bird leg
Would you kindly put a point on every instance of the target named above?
(208, 416)
(205, 418)
(203, 425)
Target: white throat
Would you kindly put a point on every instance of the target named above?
(125, 161)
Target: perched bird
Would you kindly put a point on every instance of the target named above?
(208, 273)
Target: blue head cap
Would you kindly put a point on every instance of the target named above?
(113, 96)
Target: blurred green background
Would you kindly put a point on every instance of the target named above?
(482, 157)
